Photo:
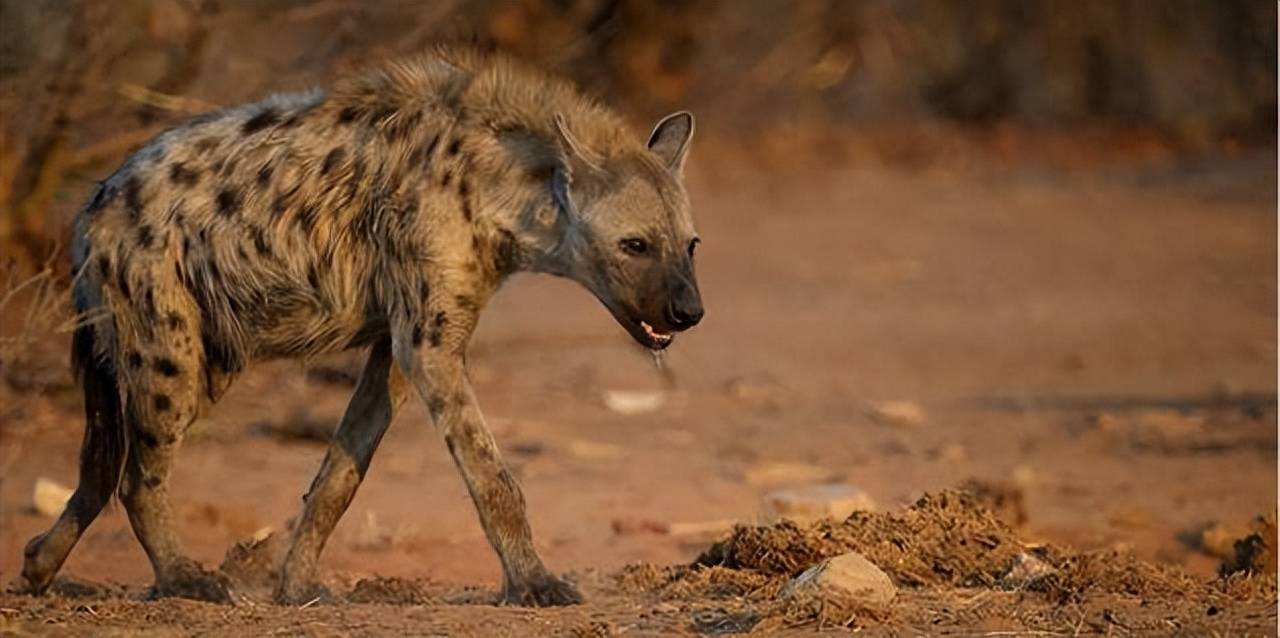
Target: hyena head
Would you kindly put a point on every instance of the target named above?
(630, 238)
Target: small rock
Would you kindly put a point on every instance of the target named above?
(49, 497)
(759, 392)
(954, 453)
(813, 502)
(1027, 569)
(1004, 499)
(774, 473)
(1256, 552)
(593, 450)
(1219, 540)
(627, 526)
(897, 413)
(632, 402)
(1024, 476)
(847, 581)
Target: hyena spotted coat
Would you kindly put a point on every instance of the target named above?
(383, 213)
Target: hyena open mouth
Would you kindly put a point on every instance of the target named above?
(657, 340)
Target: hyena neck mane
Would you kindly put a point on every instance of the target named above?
(483, 136)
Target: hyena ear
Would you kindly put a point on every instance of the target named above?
(670, 139)
(575, 155)
(575, 161)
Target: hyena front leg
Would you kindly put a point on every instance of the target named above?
(439, 376)
(380, 392)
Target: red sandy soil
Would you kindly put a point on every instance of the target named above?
(1104, 342)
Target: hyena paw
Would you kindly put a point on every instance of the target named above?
(27, 585)
(193, 582)
(302, 593)
(540, 590)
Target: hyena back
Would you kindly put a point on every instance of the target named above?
(383, 214)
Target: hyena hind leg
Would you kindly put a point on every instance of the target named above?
(378, 395)
(163, 398)
(101, 457)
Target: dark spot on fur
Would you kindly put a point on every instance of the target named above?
(380, 116)
(424, 291)
(262, 120)
(429, 149)
(446, 178)
(313, 277)
(435, 406)
(161, 402)
(104, 265)
(122, 282)
(466, 303)
(100, 198)
(166, 366)
(133, 198)
(149, 304)
(135, 359)
(332, 160)
(541, 174)
(417, 334)
(454, 147)
(306, 218)
(181, 175)
(279, 205)
(147, 439)
(260, 241)
(507, 255)
(228, 202)
(348, 115)
(437, 329)
(207, 144)
(264, 174)
(175, 321)
(145, 237)
(152, 482)
(410, 208)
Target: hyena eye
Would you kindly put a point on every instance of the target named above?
(693, 246)
(634, 246)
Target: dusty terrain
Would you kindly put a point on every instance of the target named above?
(1101, 342)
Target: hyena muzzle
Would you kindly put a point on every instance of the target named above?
(383, 214)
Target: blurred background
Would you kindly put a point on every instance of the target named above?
(84, 81)
(1030, 244)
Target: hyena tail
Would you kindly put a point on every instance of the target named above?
(105, 444)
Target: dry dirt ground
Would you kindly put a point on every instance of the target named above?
(1102, 343)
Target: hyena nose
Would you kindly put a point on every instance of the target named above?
(683, 316)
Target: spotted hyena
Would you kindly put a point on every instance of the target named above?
(383, 213)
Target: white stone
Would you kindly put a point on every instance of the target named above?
(1027, 569)
(812, 502)
(633, 402)
(49, 497)
(847, 581)
(899, 413)
(773, 473)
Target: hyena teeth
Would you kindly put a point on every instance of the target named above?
(654, 333)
